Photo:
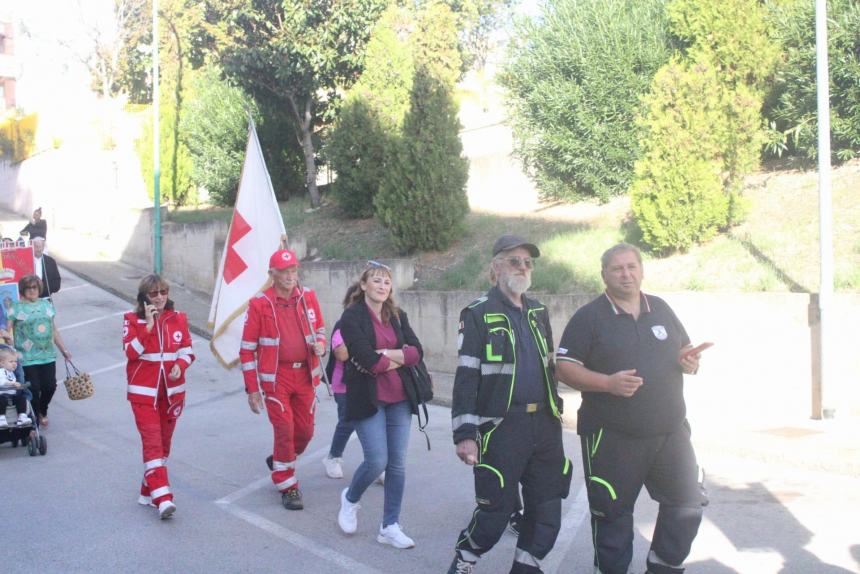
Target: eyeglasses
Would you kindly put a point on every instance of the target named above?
(372, 264)
(515, 261)
(157, 292)
(31, 286)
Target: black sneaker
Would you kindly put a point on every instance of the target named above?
(269, 460)
(460, 566)
(514, 523)
(292, 499)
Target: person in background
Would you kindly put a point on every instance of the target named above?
(36, 227)
(627, 353)
(45, 268)
(31, 322)
(282, 342)
(157, 345)
(334, 369)
(381, 346)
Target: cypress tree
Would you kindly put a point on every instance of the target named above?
(422, 198)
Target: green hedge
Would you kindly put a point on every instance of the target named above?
(793, 103)
(574, 78)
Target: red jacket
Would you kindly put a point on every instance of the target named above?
(261, 338)
(152, 355)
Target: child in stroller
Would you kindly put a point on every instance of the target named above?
(11, 391)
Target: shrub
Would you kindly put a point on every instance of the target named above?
(793, 103)
(681, 195)
(214, 126)
(733, 34)
(175, 161)
(422, 198)
(18, 136)
(356, 152)
(372, 115)
(574, 76)
(702, 128)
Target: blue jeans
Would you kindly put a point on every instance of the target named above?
(343, 430)
(384, 439)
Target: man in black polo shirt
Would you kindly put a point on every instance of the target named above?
(627, 353)
(506, 415)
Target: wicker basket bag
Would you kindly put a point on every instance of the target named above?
(79, 385)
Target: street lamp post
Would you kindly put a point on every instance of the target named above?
(822, 399)
(156, 140)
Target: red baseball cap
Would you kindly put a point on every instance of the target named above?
(283, 258)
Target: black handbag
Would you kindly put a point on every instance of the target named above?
(417, 384)
(419, 391)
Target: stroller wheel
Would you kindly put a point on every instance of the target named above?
(31, 447)
(43, 445)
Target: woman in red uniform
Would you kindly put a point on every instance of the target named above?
(158, 347)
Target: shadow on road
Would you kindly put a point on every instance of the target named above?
(770, 526)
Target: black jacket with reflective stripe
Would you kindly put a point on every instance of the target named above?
(486, 369)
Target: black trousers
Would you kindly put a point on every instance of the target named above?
(527, 449)
(18, 400)
(43, 383)
(616, 467)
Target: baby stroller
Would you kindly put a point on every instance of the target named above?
(26, 434)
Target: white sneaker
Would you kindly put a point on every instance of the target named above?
(333, 468)
(166, 509)
(380, 479)
(23, 419)
(393, 535)
(347, 518)
(145, 500)
(3, 421)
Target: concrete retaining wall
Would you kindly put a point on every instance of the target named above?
(761, 361)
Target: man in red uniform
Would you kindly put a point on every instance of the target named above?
(282, 342)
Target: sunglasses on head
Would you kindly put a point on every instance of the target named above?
(371, 264)
(157, 292)
(516, 261)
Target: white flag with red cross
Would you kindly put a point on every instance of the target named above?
(255, 233)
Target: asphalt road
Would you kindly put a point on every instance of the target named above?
(75, 510)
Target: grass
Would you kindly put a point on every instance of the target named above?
(775, 249)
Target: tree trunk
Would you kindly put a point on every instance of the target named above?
(306, 125)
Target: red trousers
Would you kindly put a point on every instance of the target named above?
(290, 406)
(156, 425)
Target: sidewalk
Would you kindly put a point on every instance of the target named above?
(831, 446)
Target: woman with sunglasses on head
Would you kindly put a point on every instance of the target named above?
(381, 347)
(31, 320)
(158, 347)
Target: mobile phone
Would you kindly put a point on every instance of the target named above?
(143, 301)
(695, 350)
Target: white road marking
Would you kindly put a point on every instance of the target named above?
(110, 368)
(570, 525)
(244, 491)
(321, 551)
(88, 321)
(260, 483)
(77, 287)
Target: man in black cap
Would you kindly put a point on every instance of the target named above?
(506, 414)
